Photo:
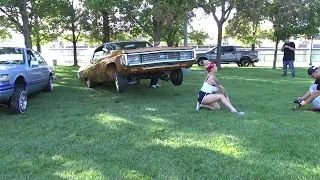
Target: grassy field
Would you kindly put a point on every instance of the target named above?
(80, 133)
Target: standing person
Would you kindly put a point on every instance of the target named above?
(208, 96)
(154, 83)
(288, 57)
(313, 94)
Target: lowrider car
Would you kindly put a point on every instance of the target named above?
(127, 62)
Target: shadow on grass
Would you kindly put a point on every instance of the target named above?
(76, 132)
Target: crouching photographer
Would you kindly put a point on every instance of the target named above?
(313, 94)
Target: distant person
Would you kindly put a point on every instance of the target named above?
(288, 57)
(208, 96)
(313, 94)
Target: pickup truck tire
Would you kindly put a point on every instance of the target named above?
(245, 61)
(200, 61)
(49, 87)
(176, 77)
(18, 101)
(120, 82)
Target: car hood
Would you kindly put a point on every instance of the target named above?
(4, 68)
(150, 49)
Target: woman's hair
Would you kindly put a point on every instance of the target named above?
(210, 66)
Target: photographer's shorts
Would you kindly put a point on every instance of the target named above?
(316, 101)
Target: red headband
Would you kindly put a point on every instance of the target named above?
(210, 66)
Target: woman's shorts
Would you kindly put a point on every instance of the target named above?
(316, 101)
(201, 95)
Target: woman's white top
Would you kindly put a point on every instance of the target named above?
(206, 87)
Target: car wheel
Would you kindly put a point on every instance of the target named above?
(18, 101)
(49, 87)
(176, 77)
(245, 61)
(120, 82)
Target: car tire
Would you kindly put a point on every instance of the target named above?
(176, 77)
(18, 101)
(49, 86)
(120, 82)
(245, 61)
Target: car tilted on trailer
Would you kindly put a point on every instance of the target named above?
(127, 62)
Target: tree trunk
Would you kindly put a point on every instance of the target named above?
(275, 55)
(74, 42)
(26, 27)
(106, 27)
(218, 58)
(185, 29)
(157, 32)
(253, 47)
(38, 43)
(171, 36)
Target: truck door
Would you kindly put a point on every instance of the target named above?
(228, 54)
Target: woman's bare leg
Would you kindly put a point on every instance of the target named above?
(212, 98)
(212, 106)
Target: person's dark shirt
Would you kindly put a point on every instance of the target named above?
(288, 54)
(318, 82)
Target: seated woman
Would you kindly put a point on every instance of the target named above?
(208, 96)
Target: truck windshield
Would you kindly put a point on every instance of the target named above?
(10, 55)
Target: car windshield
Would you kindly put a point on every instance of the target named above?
(128, 45)
(9, 55)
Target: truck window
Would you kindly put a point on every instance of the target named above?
(229, 49)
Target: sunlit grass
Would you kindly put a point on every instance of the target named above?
(81, 133)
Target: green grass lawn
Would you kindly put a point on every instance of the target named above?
(80, 133)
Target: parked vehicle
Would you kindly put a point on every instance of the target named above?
(229, 54)
(22, 71)
(127, 62)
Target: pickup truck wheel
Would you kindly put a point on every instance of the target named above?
(245, 61)
(120, 82)
(18, 101)
(49, 87)
(176, 77)
(200, 61)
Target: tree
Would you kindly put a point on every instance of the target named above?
(288, 19)
(161, 20)
(15, 15)
(45, 21)
(198, 36)
(211, 7)
(75, 17)
(245, 24)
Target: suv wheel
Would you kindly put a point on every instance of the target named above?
(18, 101)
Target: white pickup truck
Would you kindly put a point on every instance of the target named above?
(229, 54)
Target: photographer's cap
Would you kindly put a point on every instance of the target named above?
(312, 69)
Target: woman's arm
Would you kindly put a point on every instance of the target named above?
(217, 83)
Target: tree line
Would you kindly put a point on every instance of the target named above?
(100, 21)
